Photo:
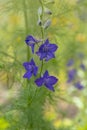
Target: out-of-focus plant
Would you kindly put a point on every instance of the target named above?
(76, 72)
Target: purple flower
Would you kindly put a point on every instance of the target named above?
(82, 66)
(31, 41)
(46, 51)
(81, 55)
(70, 62)
(47, 81)
(31, 69)
(71, 75)
(79, 86)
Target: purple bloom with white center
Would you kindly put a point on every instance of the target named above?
(70, 62)
(47, 81)
(79, 85)
(71, 75)
(31, 41)
(46, 51)
(31, 69)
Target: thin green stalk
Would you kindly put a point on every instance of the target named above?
(42, 30)
(42, 16)
(41, 68)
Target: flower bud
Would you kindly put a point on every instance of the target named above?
(39, 11)
(47, 24)
(47, 11)
(39, 22)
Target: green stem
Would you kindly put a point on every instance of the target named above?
(41, 68)
(42, 31)
(26, 25)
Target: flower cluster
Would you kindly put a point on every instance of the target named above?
(75, 74)
(45, 52)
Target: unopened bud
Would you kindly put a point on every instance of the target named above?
(47, 11)
(39, 11)
(39, 22)
(47, 24)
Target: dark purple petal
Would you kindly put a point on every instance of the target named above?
(30, 39)
(27, 65)
(32, 62)
(46, 42)
(53, 47)
(49, 56)
(43, 55)
(82, 66)
(79, 86)
(47, 81)
(35, 71)
(27, 75)
(46, 50)
(41, 52)
(52, 80)
(81, 55)
(71, 75)
(49, 86)
(41, 48)
(38, 53)
(46, 74)
(39, 82)
(31, 68)
(70, 62)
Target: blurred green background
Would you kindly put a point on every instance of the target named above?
(66, 108)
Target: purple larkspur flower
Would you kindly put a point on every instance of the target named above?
(31, 41)
(79, 86)
(31, 69)
(70, 62)
(46, 50)
(82, 66)
(81, 55)
(71, 75)
(47, 81)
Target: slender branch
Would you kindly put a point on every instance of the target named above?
(12, 57)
